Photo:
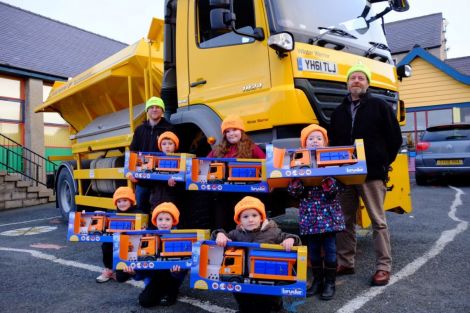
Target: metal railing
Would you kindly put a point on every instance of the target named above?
(30, 166)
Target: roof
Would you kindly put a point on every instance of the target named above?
(439, 64)
(460, 64)
(39, 44)
(425, 31)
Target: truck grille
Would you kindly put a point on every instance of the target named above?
(325, 96)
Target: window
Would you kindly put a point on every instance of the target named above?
(12, 131)
(53, 118)
(229, 261)
(410, 122)
(11, 110)
(10, 88)
(46, 90)
(465, 115)
(439, 117)
(453, 134)
(213, 32)
(420, 121)
(56, 136)
(11, 102)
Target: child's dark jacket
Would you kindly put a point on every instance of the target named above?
(269, 233)
(319, 209)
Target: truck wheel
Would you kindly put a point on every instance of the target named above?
(66, 194)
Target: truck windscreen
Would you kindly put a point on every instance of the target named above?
(332, 24)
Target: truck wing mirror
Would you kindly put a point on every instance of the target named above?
(282, 42)
(224, 20)
(221, 19)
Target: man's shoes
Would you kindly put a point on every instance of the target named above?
(344, 270)
(380, 278)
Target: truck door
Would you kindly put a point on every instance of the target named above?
(224, 66)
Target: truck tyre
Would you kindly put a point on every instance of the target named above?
(66, 194)
(420, 179)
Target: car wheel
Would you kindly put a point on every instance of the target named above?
(420, 179)
(66, 194)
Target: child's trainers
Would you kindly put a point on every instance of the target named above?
(106, 275)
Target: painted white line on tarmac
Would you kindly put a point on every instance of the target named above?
(30, 221)
(205, 305)
(446, 237)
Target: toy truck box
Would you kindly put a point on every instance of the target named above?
(156, 165)
(345, 163)
(156, 249)
(249, 268)
(100, 226)
(226, 175)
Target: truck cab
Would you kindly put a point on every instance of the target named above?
(148, 248)
(216, 172)
(302, 158)
(233, 265)
(97, 224)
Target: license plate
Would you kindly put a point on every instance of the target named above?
(449, 162)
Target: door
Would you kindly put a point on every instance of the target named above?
(227, 71)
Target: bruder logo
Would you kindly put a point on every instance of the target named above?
(258, 189)
(292, 292)
(355, 170)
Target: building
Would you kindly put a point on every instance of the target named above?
(438, 91)
(427, 31)
(35, 51)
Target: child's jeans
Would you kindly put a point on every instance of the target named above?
(315, 244)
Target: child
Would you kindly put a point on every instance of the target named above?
(320, 217)
(163, 286)
(166, 191)
(253, 226)
(235, 144)
(124, 200)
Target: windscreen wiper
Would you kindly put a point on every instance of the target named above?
(331, 30)
(374, 45)
(335, 31)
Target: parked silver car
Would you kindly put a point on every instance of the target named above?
(444, 150)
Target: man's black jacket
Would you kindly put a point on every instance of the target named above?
(145, 139)
(146, 136)
(376, 123)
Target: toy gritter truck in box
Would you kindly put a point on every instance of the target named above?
(156, 166)
(156, 249)
(226, 175)
(249, 268)
(345, 163)
(100, 226)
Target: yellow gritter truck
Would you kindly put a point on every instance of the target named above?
(278, 64)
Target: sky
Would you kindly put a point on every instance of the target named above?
(125, 21)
